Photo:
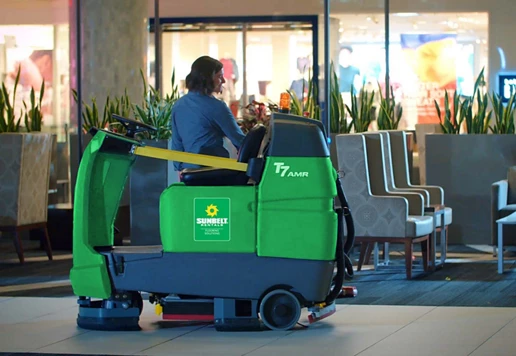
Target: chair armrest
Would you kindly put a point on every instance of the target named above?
(436, 193)
(499, 194)
(424, 193)
(415, 201)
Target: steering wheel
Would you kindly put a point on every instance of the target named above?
(133, 126)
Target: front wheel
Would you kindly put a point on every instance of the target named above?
(280, 310)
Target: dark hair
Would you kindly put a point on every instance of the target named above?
(200, 78)
(346, 48)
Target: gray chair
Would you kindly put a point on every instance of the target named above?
(380, 218)
(401, 174)
(503, 204)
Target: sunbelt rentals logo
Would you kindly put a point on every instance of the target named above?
(212, 219)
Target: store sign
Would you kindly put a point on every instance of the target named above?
(506, 85)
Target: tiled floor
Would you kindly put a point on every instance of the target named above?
(47, 325)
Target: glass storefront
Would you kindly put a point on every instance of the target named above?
(40, 54)
(428, 53)
(276, 55)
(267, 49)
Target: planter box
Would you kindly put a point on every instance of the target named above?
(149, 177)
(466, 166)
(421, 131)
(24, 178)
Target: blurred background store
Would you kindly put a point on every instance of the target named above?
(266, 47)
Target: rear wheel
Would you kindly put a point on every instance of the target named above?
(280, 310)
(137, 301)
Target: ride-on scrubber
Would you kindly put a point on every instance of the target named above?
(246, 243)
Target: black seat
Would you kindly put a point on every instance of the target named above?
(209, 176)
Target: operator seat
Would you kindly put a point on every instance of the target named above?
(209, 176)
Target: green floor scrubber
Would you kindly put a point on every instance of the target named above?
(246, 243)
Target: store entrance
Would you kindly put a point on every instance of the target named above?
(262, 57)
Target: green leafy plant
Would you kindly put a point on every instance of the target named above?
(9, 122)
(390, 113)
(450, 120)
(472, 112)
(504, 114)
(339, 122)
(91, 116)
(361, 110)
(121, 106)
(156, 110)
(306, 106)
(34, 116)
(475, 109)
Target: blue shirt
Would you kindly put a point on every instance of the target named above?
(199, 125)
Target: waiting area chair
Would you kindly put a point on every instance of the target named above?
(503, 204)
(384, 217)
(24, 183)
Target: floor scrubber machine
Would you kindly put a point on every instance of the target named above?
(246, 243)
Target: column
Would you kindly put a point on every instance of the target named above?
(114, 42)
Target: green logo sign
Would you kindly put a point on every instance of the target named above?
(212, 219)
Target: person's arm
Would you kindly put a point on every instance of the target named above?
(177, 143)
(227, 123)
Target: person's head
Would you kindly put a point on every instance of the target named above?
(345, 56)
(206, 76)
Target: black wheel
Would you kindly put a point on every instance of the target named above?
(138, 301)
(280, 310)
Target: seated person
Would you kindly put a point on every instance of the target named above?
(199, 120)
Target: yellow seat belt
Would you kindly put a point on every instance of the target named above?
(193, 158)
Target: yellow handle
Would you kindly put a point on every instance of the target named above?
(193, 158)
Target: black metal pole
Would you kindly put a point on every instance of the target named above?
(387, 40)
(244, 65)
(157, 46)
(79, 73)
(327, 74)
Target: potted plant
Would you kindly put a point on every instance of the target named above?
(256, 113)
(390, 113)
(26, 160)
(468, 156)
(150, 177)
(361, 110)
(306, 105)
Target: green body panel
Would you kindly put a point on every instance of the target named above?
(296, 216)
(231, 228)
(100, 183)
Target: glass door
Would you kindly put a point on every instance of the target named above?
(261, 58)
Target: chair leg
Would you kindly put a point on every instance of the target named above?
(424, 251)
(46, 243)
(408, 258)
(363, 250)
(368, 253)
(500, 248)
(19, 248)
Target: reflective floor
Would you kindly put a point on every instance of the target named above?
(47, 325)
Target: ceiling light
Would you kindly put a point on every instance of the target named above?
(406, 14)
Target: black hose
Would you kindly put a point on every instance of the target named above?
(344, 264)
(338, 280)
(350, 228)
